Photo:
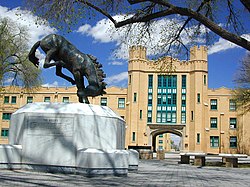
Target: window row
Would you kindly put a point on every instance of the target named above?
(9, 99)
(215, 142)
(121, 102)
(214, 123)
(214, 104)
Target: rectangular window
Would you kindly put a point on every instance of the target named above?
(129, 79)
(232, 105)
(150, 81)
(233, 123)
(47, 99)
(174, 81)
(192, 115)
(198, 97)
(183, 81)
(6, 116)
(160, 147)
(233, 142)
(159, 99)
(149, 116)
(214, 141)
(213, 104)
(121, 102)
(163, 117)
(158, 120)
(174, 99)
(140, 114)
(13, 100)
(29, 99)
(198, 138)
(104, 101)
(65, 100)
(205, 80)
(6, 99)
(135, 97)
(4, 133)
(183, 117)
(213, 123)
(161, 136)
(133, 136)
(160, 141)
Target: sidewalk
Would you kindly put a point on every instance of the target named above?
(150, 173)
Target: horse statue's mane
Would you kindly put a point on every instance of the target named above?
(66, 55)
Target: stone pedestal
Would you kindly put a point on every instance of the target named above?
(199, 160)
(68, 136)
(160, 155)
(146, 154)
(231, 162)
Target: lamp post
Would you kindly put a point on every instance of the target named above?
(220, 139)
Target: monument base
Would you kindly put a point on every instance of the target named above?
(68, 138)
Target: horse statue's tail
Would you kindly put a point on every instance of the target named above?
(32, 56)
(100, 74)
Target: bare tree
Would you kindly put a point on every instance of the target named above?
(193, 18)
(242, 93)
(15, 68)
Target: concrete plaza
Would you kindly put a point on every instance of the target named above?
(151, 173)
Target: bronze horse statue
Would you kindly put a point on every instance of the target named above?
(66, 55)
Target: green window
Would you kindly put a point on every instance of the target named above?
(121, 102)
(104, 101)
(205, 79)
(135, 97)
(214, 141)
(183, 117)
(161, 136)
(232, 105)
(13, 100)
(198, 97)
(233, 123)
(5, 133)
(133, 136)
(198, 138)
(6, 99)
(140, 114)
(213, 104)
(29, 99)
(160, 141)
(47, 99)
(65, 100)
(6, 116)
(233, 142)
(183, 81)
(213, 123)
(150, 81)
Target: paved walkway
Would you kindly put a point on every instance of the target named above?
(150, 173)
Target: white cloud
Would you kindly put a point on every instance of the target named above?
(116, 63)
(54, 84)
(115, 79)
(25, 18)
(223, 45)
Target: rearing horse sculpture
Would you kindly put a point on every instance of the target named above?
(66, 55)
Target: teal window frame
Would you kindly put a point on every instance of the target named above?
(6, 99)
(213, 123)
(160, 141)
(205, 79)
(233, 123)
(232, 105)
(104, 101)
(121, 102)
(5, 133)
(46, 99)
(213, 104)
(150, 98)
(13, 99)
(183, 81)
(6, 116)
(198, 98)
(30, 99)
(233, 142)
(65, 99)
(160, 135)
(214, 141)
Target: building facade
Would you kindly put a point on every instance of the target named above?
(156, 104)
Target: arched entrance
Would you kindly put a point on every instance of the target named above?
(156, 130)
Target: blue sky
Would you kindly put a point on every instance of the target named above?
(95, 38)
